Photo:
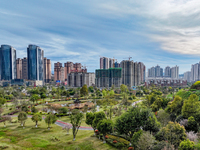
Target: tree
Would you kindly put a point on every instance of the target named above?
(186, 145)
(146, 141)
(75, 120)
(132, 120)
(22, 117)
(123, 88)
(84, 90)
(135, 138)
(36, 117)
(24, 108)
(63, 110)
(89, 119)
(98, 116)
(34, 110)
(192, 125)
(175, 106)
(1, 111)
(43, 96)
(105, 126)
(174, 133)
(50, 119)
(2, 101)
(152, 124)
(156, 104)
(191, 107)
(5, 119)
(91, 89)
(34, 98)
(163, 117)
(125, 100)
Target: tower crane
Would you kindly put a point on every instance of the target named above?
(128, 58)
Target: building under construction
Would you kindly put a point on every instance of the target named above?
(108, 77)
(133, 73)
(78, 79)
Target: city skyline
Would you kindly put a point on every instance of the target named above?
(105, 28)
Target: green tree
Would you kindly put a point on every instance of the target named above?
(156, 104)
(50, 119)
(98, 116)
(84, 90)
(35, 118)
(34, 110)
(152, 124)
(146, 141)
(123, 88)
(105, 126)
(192, 125)
(91, 89)
(132, 120)
(135, 138)
(22, 117)
(186, 145)
(34, 98)
(174, 133)
(63, 110)
(125, 100)
(2, 101)
(89, 119)
(191, 107)
(75, 120)
(175, 106)
(24, 108)
(43, 96)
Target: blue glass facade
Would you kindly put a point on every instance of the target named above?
(7, 62)
(35, 62)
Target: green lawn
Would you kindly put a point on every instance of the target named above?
(15, 137)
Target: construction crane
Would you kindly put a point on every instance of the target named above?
(128, 58)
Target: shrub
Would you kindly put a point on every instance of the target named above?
(186, 145)
(114, 141)
(130, 148)
(120, 140)
(106, 137)
(192, 136)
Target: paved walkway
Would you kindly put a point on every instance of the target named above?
(62, 124)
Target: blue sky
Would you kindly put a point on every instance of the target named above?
(165, 32)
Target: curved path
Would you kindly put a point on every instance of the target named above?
(62, 124)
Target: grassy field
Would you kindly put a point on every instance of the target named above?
(15, 137)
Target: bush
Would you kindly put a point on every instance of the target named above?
(119, 139)
(186, 145)
(13, 121)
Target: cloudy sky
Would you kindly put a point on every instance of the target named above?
(163, 32)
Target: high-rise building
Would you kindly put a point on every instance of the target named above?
(68, 67)
(104, 63)
(108, 77)
(174, 72)
(195, 72)
(156, 71)
(128, 73)
(151, 72)
(47, 70)
(78, 79)
(24, 68)
(187, 76)
(142, 75)
(167, 72)
(19, 68)
(57, 71)
(35, 56)
(8, 68)
(117, 65)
